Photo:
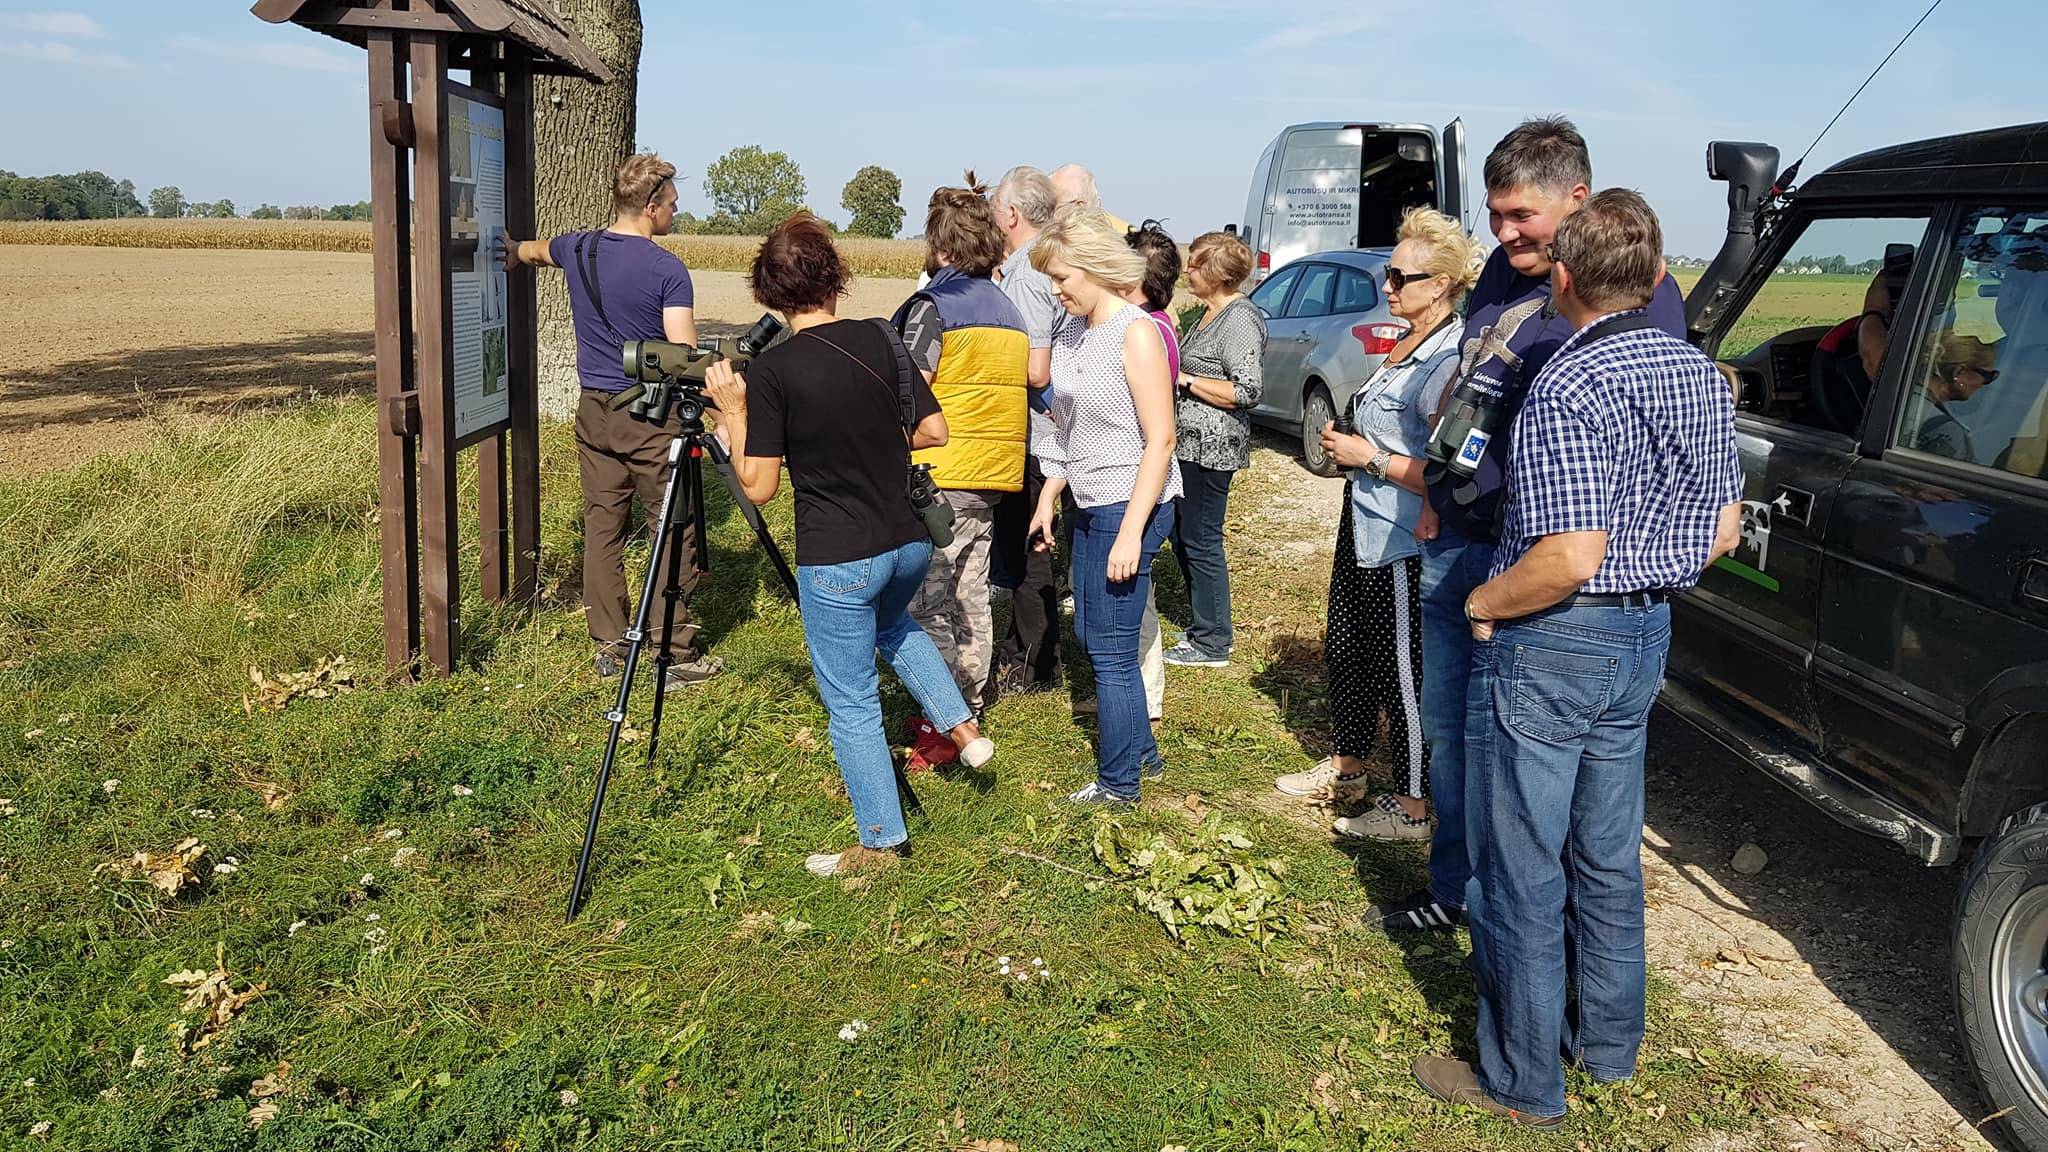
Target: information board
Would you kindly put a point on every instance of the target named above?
(476, 276)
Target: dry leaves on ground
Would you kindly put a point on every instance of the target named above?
(275, 796)
(330, 677)
(211, 993)
(265, 1109)
(170, 871)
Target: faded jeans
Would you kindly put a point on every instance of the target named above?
(1108, 617)
(850, 612)
(1555, 809)
(1452, 566)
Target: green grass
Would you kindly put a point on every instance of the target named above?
(439, 1002)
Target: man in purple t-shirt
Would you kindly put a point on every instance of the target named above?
(623, 286)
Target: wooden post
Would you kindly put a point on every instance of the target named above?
(397, 465)
(522, 357)
(440, 577)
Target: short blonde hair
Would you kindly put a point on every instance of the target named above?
(639, 181)
(1453, 256)
(1086, 240)
(1223, 256)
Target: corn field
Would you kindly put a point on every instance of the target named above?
(880, 259)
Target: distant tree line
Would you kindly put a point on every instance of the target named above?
(752, 190)
(1833, 265)
(79, 196)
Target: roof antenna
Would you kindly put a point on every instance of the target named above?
(1785, 178)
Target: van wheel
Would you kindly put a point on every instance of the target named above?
(2001, 973)
(1317, 411)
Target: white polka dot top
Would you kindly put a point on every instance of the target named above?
(1097, 444)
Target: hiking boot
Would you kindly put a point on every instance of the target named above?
(1321, 779)
(1454, 1082)
(608, 665)
(1186, 655)
(1094, 795)
(1416, 913)
(682, 675)
(1385, 820)
(1152, 772)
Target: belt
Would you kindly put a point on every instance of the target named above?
(1643, 599)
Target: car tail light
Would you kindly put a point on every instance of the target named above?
(1379, 339)
(1265, 261)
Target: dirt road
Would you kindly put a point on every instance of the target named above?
(101, 342)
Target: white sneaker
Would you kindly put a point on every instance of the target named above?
(978, 752)
(1383, 821)
(1320, 779)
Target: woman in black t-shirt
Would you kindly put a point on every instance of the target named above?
(827, 398)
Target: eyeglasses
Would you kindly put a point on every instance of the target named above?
(1397, 279)
(1947, 369)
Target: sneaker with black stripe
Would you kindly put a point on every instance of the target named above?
(1417, 913)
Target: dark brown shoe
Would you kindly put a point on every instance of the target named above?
(1454, 1082)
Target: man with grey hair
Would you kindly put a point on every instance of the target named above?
(1075, 188)
(1028, 660)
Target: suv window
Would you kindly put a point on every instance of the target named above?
(1271, 297)
(1804, 333)
(1318, 287)
(1975, 390)
(1355, 292)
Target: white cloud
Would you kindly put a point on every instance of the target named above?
(52, 52)
(299, 56)
(53, 24)
(1319, 32)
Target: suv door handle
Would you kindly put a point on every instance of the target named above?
(1794, 504)
(2034, 581)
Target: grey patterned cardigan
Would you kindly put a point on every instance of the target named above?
(1230, 347)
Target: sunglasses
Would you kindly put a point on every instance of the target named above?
(1947, 369)
(1397, 279)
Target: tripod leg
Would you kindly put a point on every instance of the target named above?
(636, 638)
(692, 481)
(723, 459)
(905, 792)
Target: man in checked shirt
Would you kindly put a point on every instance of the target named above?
(1623, 485)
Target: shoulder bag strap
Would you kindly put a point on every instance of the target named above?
(902, 357)
(586, 267)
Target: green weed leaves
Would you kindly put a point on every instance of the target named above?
(1214, 880)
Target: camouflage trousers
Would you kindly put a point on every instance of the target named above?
(953, 607)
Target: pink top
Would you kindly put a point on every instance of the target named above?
(1172, 338)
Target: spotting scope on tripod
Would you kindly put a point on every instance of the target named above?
(669, 380)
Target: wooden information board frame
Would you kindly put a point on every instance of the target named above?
(412, 45)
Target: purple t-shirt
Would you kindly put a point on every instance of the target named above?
(636, 278)
(1510, 334)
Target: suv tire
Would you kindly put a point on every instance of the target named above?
(2000, 936)
(1316, 411)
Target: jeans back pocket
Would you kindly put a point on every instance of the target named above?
(840, 579)
(1557, 695)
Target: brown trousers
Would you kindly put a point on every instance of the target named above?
(620, 457)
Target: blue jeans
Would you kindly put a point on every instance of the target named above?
(850, 612)
(1452, 566)
(1555, 797)
(1108, 616)
(1198, 547)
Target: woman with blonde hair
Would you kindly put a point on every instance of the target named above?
(1373, 645)
(1112, 407)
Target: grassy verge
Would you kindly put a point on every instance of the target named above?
(889, 259)
(397, 859)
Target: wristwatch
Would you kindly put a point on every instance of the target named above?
(1377, 466)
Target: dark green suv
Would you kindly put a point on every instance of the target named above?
(1879, 643)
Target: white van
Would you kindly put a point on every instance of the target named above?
(1330, 185)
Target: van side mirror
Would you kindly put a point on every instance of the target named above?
(1230, 229)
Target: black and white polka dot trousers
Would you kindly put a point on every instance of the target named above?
(1373, 653)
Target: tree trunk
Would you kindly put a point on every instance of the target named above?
(582, 132)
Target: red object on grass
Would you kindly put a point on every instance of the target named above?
(929, 747)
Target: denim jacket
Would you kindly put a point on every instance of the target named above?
(1393, 409)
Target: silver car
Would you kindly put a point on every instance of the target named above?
(1327, 331)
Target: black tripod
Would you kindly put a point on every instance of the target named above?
(682, 502)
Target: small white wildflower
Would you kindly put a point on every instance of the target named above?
(41, 1128)
(202, 813)
(29, 1083)
(372, 918)
(5, 945)
(7, 808)
(30, 735)
(400, 857)
(67, 717)
(519, 686)
(375, 939)
(224, 869)
(848, 1034)
(1003, 971)
(232, 860)
(1037, 962)
(1023, 977)
(294, 929)
(459, 790)
(487, 687)
(368, 879)
(570, 1099)
(394, 833)
(108, 786)
(1002, 959)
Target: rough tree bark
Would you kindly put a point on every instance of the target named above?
(582, 131)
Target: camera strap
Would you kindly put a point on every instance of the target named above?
(903, 369)
(586, 267)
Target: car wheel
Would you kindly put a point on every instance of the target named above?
(2001, 973)
(1317, 411)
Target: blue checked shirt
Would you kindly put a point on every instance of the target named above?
(1634, 436)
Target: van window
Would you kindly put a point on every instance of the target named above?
(1271, 297)
(1355, 292)
(1318, 289)
(1975, 391)
(1801, 346)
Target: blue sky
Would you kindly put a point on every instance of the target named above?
(1169, 101)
